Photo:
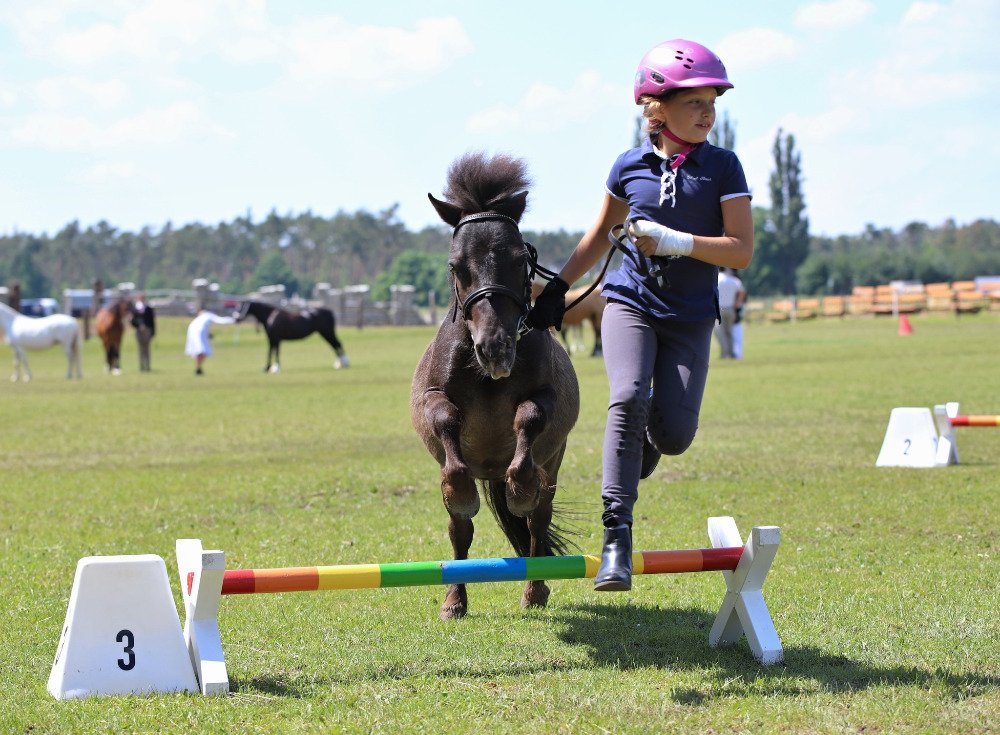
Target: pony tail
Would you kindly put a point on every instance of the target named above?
(515, 528)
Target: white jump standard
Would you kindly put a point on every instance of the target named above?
(744, 566)
(917, 438)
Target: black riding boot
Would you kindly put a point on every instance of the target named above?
(650, 457)
(615, 573)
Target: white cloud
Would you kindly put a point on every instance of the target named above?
(384, 57)
(836, 14)
(756, 47)
(149, 127)
(60, 93)
(107, 172)
(822, 128)
(8, 95)
(922, 13)
(547, 108)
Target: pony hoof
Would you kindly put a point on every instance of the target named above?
(456, 603)
(455, 611)
(521, 505)
(535, 596)
(466, 509)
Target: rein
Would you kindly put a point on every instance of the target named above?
(618, 243)
(532, 268)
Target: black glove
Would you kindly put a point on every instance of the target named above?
(739, 315)
(549, 306)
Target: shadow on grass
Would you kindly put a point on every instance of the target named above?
(676, 639)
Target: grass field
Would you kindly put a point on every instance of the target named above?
(884, 592)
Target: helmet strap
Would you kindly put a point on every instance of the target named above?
(680, 157)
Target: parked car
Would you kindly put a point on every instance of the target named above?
(39, 307)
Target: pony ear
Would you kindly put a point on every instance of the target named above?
(515, 206)
(448, 212)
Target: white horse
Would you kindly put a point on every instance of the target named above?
(28, 333)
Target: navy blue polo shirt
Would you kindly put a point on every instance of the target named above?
(688, 288)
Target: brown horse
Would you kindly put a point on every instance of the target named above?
(494, 401)
(591, 309)
(110, 325)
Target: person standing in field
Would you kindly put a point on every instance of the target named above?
(687, 208)
(198, 344)
(731, 298)
(144, 321)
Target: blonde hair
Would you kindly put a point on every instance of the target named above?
(651, 106)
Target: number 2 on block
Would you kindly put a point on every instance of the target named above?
(126, 637)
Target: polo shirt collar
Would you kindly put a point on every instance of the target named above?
(651, 152)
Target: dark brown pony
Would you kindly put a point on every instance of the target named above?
(110, 326)
(281, 324)
(591, 309)
(490, 403)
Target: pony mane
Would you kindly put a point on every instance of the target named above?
(479, 183)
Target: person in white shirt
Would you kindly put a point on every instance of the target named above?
(197, 344)
(731, 297)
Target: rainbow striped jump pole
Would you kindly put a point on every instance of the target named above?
(975, 421)
(205, 579)
(947, 418)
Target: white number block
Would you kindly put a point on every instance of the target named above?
(122, 633)
(910, 439)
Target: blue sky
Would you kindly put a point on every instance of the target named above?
(141, 112)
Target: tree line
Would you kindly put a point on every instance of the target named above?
(299, 250)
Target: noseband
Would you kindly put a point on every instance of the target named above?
(522, 299)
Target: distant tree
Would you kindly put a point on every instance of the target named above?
(24, 269)
(271, 270)
(723, 134)
(760, 275)
(783, 238)
(424, 271)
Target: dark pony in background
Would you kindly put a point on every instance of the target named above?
(280, 324)
(109, 323)
(494, 402)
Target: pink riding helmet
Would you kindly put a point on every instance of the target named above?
(679, 64)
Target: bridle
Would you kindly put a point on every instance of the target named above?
(522, 299)
(531, 268)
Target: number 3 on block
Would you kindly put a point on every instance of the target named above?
(122, 633)
(126, 637)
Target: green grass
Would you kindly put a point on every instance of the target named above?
(884, 592)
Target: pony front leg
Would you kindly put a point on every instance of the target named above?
(456, 599)
(536, 592)
(458, 486)
(525, 479)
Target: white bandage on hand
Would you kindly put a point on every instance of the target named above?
(668, 242)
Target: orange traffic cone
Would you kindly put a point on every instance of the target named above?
(904, 325)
